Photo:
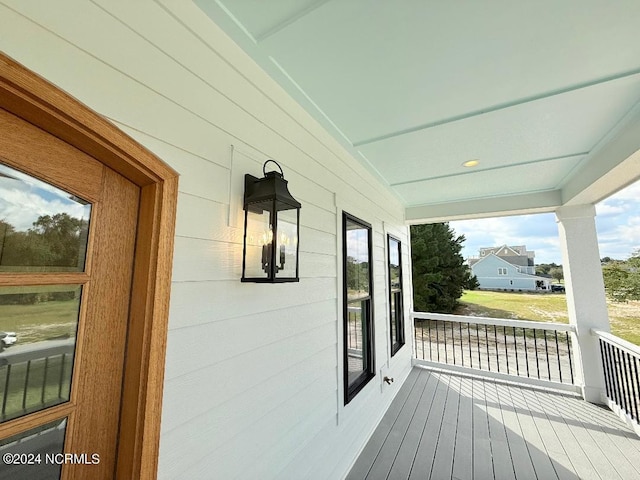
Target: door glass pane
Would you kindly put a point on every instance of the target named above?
(37, 343)
(42, 228)
(35, 454)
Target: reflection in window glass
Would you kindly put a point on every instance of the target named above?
(358, 318)
(395, 295)
(37, 343)
(42, 228)
(44, 440)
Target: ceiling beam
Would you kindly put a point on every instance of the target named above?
(539, 202)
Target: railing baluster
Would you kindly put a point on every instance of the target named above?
(486, 337)
(437, 341)
(614, 376)
(570, 356)
(634, 402)
(6, 390)
(623, 378)
(430, 348)
(526, 352)
(558, 356)
(605, 368)
(506, 353)
(61, 380)
(535, 346)
(495, 337)
(478, 341)
(461, 346)
(453, 344)
(515, 346)
(546, 349)
(634, 383)
(444, 334)
(44, 379)
(469, 338)
(26, 385)
(623, 400)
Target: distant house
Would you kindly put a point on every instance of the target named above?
(508, 268)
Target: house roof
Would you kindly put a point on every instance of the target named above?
(545, 95)
(505, 249)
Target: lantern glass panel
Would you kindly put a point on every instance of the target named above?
(287, 244)
(258, 244)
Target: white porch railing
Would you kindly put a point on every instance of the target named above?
(534, 352)
(620, 365)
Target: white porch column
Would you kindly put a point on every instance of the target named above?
(586, 301)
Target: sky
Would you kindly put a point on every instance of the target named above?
(617, 223)
(23, 199)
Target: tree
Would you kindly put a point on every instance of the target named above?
(622, 278)
(472, 283)
(545, 268)
(439, 272)
(57, 240)
(557, 273)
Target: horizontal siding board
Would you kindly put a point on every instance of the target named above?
(236, 375)
(198, 176)
(193, 303)
(191, 346)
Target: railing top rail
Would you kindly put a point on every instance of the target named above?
(505, 322)
(618, 342)
(38, 351)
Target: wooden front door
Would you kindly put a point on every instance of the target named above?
(67, 243)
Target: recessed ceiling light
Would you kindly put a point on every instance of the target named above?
(471, 163)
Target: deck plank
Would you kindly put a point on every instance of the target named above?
(463, 453)
(482, 456)
(423, 462)
(443, 460)
(503, 464)
(409, 448)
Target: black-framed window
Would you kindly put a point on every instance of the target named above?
(357, 246)
(396, 313)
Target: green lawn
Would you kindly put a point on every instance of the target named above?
(624, 317)
(40, 321)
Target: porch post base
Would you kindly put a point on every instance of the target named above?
(594, 395)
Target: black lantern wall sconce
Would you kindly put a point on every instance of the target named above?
(271, 228)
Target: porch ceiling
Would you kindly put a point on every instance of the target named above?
(544, 94)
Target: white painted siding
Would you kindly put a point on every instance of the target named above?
(253, 371)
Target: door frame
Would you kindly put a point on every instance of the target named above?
(27, 95)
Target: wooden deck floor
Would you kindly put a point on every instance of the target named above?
(444, 426)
